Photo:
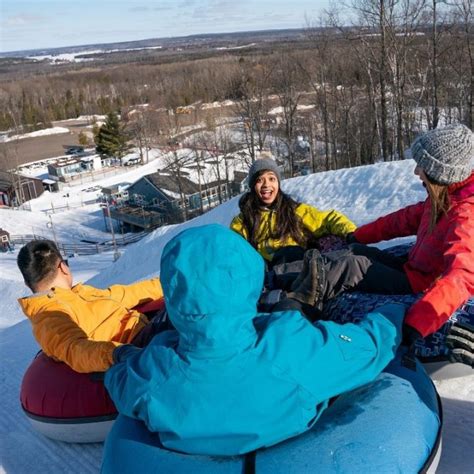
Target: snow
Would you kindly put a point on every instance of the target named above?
(236, 47)
(361, 193)
(84, 118)
(74, 57)
(38, 133)
(279, 110)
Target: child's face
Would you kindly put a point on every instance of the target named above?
(422, 175)
(267, 187)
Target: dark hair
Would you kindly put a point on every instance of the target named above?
(288, 223)
(38, 261)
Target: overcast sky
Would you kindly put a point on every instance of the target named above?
(34, 24)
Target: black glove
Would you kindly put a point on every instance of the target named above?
(350, 239)
(121, 353)
(410, 335)
(309, 312)
(460, 340)
(97, 376)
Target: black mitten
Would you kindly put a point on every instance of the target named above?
(350, 239)
(97, 376)
(121, 353)
(460, 340)
(410, 335)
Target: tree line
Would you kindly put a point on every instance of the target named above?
(367, 76)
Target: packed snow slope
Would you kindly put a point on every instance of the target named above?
(361, 193)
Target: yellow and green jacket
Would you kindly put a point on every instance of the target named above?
(82, 326)
(319, 223)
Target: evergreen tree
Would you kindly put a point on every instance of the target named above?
(112, 138)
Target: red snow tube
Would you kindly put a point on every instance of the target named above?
(66, 405)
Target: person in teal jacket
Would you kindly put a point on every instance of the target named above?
(228, 380)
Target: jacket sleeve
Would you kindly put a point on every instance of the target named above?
(61, 338)
(322, 223)
(401, 223)
(132, 381)
(237, 225)
(329, 358)
(134, 294)
(455, 285)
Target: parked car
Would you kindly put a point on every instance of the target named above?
(132, 161)
(74, 150)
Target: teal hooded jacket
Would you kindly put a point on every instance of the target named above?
(229, 380)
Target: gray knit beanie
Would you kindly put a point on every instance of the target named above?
(266, 164)
(445, 154)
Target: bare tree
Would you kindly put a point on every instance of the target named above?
(402, 35)
(318, 72)
(174, 164)
(10, 159)
(288, 81)
(217, 144)
(253, 106)
(144, 126)
(463, 19)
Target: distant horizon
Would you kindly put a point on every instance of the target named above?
(28, 25)
(161, 38)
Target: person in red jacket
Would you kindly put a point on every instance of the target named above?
(440, 265)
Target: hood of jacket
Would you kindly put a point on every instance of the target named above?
(212, 279)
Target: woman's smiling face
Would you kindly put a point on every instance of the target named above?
(267, 187)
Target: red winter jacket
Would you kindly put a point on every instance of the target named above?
(441, 263)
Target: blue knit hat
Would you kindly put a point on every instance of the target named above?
(266, 164)
(445, 154)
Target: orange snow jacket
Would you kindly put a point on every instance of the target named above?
(441, 263)
(83, 325)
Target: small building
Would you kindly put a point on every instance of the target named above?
(164, 198)
(135, 217)
(239, 185)
(166, 193)
(214, 193)
(68, 168)
(116, 193)
(50, 185)
(64, 169)
(5, 243)
(15, 189)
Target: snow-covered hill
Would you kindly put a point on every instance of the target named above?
(361, 193)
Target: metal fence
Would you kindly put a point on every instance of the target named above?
(82, 247)
(54, 209)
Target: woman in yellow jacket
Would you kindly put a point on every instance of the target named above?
(276, 225)
(81, 325)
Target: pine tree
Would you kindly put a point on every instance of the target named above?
(112, 140)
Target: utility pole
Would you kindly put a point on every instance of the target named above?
(114, 242)
(50, 225)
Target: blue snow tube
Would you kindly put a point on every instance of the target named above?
(392, 425)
